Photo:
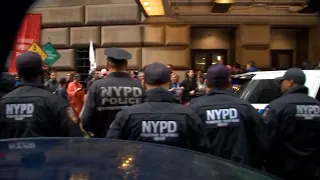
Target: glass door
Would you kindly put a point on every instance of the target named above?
(203, 59)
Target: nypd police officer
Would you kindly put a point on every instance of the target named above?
(292, 123)
(31, 110)
(232, 124)
(159, 119)
(110, 95)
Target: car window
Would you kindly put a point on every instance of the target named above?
(318, 95)
(238, 84)
(261, 91)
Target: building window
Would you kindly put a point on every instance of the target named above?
(83, 64)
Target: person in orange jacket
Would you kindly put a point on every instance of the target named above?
(76, 94)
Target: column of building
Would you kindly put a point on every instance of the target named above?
(252, 44)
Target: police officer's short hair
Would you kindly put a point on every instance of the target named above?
(118, 64)
(116, 61)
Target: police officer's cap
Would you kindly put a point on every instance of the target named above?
(156, 73)
(117, 54)
(218, 75)
(294, 74)
(29, 63)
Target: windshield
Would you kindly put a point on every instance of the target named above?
(260, 91)
(61, 158)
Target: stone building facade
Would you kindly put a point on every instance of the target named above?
(70, 25)
(117, 24)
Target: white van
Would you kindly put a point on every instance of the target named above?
(260, 88)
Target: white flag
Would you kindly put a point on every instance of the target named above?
(92, 58)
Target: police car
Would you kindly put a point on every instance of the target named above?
(260, 87)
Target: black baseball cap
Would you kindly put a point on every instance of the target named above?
(218, 75)
(156, 73)
(294, 74)
(117, 55)
(29, 64)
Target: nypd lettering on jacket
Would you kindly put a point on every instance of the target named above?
(19, 111)
(120, 95)
(223, 117)
(159, 130)
(307, 112)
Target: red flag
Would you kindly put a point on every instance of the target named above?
(29, 32)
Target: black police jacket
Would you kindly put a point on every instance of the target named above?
(106, 98)
(159, 119)
(292, 123)
(232, 125)
(31, 110)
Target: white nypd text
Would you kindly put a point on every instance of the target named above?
(308, 112)
(120, 95)
(19, 111)
(159, 130)
(222, 117)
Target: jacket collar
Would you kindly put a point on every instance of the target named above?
(119, 74)
(159, 95)
(38, 85)
(220, 91)
(297, 89)
(31, 84)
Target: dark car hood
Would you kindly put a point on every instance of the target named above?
(79, 158)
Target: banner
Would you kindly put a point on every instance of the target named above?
(29, 32)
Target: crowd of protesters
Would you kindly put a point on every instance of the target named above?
(185, 88)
